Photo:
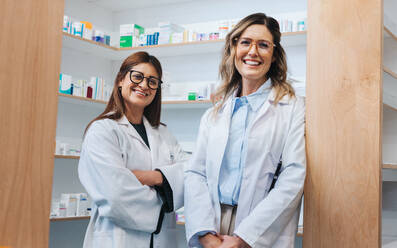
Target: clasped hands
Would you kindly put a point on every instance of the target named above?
(222, 241)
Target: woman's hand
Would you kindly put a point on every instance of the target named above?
(149, 178)
(210, 241)
(233, 242)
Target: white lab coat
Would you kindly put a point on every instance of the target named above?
(125, 212)
(263, 219)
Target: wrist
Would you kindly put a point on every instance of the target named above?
(157, 178)
(207, 238)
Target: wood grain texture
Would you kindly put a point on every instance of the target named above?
(343, 124)
(30, 59)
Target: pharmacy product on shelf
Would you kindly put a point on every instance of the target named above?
(70, 205)
(202, 90)
(67, 147)
(129, 34)
(84, 29)
(65, 84)
(96, 88)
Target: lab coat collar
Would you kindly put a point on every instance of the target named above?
(284, 100)
(131, 130)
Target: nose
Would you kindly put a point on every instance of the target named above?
(144, 85)
(253, 50)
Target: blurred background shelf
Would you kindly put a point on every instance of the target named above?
(53, 219)
(166, 50)
(66, 156)
(64, 98)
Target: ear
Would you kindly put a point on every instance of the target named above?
(273, 58)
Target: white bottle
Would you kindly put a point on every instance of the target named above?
(82, 204)
(62, 209)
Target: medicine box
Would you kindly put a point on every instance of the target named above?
(65, 84)
(129, 33)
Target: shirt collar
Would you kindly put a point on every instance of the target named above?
(257, 98)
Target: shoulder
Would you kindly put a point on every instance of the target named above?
(216, 111)
(293, 101)
(104, 127)
(299, 103)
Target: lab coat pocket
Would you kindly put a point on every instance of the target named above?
(265, 175)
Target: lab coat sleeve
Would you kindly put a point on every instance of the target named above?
(174, 172)
(263, 225)
(113, 188)
(199, 210)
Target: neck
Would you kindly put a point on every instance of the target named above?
(250, 86)
(134, 114)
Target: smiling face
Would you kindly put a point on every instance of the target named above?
(254, 55)
(139, 95)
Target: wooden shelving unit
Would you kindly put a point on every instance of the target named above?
(53, 219)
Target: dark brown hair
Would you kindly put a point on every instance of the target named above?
(115, 108)
(231, 78)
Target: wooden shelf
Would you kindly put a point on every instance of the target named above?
(169, 104)
(390, 72)
(390, 166)
(52, 219)
(82, 98)
(66, 156)
(389, 33)
(389, 88)
(166, 50)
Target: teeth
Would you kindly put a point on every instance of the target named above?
(248, 62)
(140, 92)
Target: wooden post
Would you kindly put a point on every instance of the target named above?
(30, 48)
(343, 124)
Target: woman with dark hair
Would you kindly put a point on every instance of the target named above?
(238, 193)
(130, 165)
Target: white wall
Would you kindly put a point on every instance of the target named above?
(82, 10)
(205, 10)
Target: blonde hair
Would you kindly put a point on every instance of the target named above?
(231, 78)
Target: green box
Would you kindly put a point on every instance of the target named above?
(192, 96)
(125, 41)
(129, 34)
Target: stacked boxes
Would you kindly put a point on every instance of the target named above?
(129, 34)
(167, 29)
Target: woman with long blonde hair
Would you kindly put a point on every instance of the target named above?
(244, 184)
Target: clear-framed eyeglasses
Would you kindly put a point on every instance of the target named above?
(137, 77)
(262, 46)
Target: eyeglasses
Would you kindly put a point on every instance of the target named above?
(137, 77)
(262, 46)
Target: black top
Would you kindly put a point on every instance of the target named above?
(140, 128)
(164, 190)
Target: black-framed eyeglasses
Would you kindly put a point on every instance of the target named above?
(137, 77)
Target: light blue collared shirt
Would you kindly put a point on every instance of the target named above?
(244, 111)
